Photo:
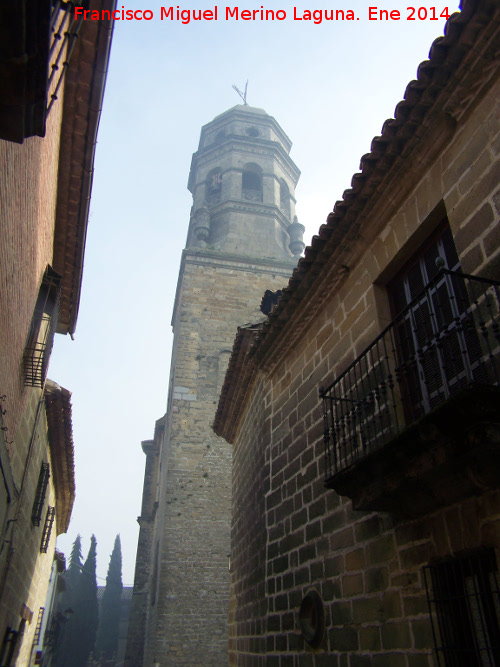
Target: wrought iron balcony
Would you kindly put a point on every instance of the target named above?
(401, 413)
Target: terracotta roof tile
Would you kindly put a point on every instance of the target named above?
(83, 91)
(60, 433)
(443, 84)
(447, 53)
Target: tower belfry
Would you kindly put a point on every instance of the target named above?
(243, 239)
(243, 181)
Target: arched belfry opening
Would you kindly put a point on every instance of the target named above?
(251, 182)
(214, 186)
(285, 199)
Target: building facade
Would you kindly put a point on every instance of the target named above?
(49, 113)
(364, 412)
(242, 239)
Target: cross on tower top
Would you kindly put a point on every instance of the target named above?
(242, 95)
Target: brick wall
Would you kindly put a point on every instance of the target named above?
(367, 567)
(27, 214)
(28, 188)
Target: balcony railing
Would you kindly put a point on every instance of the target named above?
(448, 338)
(64, 32)
(35, 53)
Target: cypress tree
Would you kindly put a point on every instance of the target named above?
(81, 627)
(86, 611)
(109, 620)
(63, 627)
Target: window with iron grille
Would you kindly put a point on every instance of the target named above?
(442, 340)
(214, 187)
(8, 647)
(41, 490)
(47, 529)
(38, 629)
(464, 604)
(438, 344)
(42, 330)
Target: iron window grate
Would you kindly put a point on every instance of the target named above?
(464, 603)
(38, 629)
(447, 338)
(42, 330)
(41, 490)
(47, 529)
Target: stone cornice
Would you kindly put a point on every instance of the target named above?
(219, 259)
(249, 146)
(247, 206)
(248, 114)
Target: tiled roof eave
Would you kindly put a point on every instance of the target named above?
(83, 93)
(437, 79)
(239, 377)
(60, 435)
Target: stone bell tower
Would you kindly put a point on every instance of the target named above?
(243, 239)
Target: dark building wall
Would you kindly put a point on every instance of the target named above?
(367, 566)
(248, 594)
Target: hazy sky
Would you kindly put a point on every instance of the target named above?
(330, 86)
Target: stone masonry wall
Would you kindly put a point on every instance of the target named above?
(248, 599)
(367, 567)
(140, 601)
(189, 618)
(24, 570)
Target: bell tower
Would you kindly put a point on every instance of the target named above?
(243, 184)
(243, 239)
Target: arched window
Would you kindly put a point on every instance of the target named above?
(251, 182)
(285, 199)
(214, 186)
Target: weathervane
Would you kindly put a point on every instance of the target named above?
(242, 95)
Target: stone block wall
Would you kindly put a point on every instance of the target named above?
(189, 604)
(146, 547)
(24, 570)
(367, 567)
(248, 594)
